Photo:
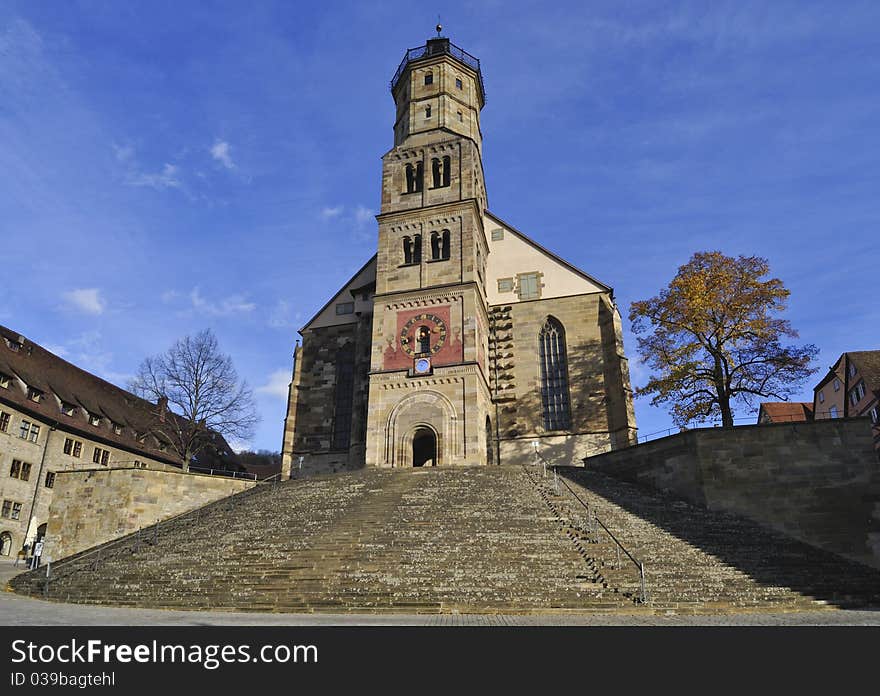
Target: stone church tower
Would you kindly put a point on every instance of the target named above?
(462, 342)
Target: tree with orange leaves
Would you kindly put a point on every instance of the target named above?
(714, 338)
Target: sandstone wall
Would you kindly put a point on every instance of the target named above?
(600, 397)
(91, 507)
(818, 482)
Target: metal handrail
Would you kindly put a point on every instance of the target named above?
(643, 592)
(224, 472)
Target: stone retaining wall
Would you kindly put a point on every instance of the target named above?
(818, 482)
(93, 506)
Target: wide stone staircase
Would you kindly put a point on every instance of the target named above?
(492, 539)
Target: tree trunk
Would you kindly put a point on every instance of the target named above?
(726, 414)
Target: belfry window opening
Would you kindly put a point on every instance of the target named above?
(414, 177)
(412, 250)
(440, 171)
(440, 246)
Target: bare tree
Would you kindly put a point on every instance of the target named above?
(200, 386)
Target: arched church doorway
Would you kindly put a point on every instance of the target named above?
(5, 544)
(424, 447)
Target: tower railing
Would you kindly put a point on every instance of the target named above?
(445, 48)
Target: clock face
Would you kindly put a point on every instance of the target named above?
(423, 365)
(423, 334)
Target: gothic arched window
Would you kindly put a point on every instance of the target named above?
(344, 397)
(554, 376)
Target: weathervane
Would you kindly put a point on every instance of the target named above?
(439, 27)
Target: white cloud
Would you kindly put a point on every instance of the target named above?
(234, 304)
(277, 384)
(87, 300)
(328, 212)
(167, 178)
(124, 153)
(363, 215)
(60, 351)
(220, 152)
(280, 317)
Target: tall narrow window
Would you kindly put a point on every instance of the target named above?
(344, 397)
(446, 169)
(554, 376)
(414, 177)
(417, 248)
(407, 250)
(436, 172)
(428, 111)
(440, 246)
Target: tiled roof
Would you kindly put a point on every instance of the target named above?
(868, 364)
(788, 411)
(60, 381)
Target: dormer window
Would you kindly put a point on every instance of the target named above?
(94, 419)
(4, 381)
(117, 428)
(429, 78)
(67, 409)
(14, 346)
(34, 394)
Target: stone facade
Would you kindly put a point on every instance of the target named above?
(449, 315)
(818, 481)
(93, 506)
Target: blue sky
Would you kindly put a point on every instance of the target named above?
(171, 166)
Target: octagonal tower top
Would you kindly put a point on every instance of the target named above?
(438, 89)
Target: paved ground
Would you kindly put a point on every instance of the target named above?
(23, 611)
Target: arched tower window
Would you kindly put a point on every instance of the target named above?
(554, 376)
(417, 249)
(424, 338)
(414, 177)
(440, 246)
(344, 396)
(407, 250)
(440, 171)
(446, 169)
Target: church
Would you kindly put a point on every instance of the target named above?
(462, 341)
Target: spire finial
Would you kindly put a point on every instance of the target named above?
(439, 26)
